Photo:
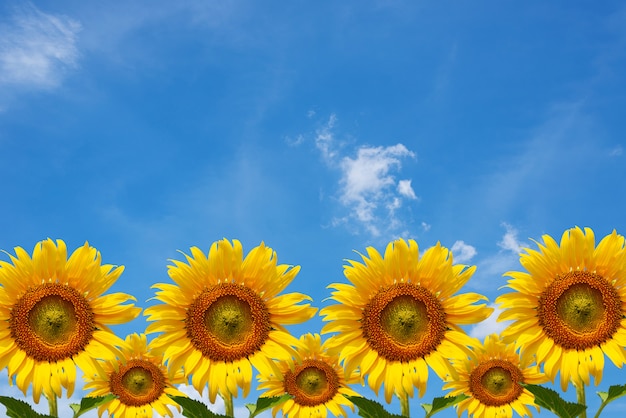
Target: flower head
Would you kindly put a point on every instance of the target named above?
(401, 315)
(491, 376)
(54, 316)
(314, 378)
(139, 380)
(225, 315)
(568, 307)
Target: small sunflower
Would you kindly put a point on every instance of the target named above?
(53, 316)
(315, 380)
(491, 377)
(400, 315)
(224, 315)
(139, 380)
(568, 308)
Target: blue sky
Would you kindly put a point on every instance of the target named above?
(319, 128)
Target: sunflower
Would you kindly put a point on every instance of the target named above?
(53, 316)
(224, 315)
(139, 380)
(491, 376)
(400, 315)
(314, 379)
(568, 308)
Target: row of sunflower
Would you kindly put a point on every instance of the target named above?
(401, 314)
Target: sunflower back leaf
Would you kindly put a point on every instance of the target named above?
(441, 403)
(552, 401)
(369, 408)
(20, 409)
(265, 403)
(88, 403)
(195, 409)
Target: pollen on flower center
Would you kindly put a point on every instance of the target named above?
(404, 322)
(580, 310)
(138, 382)
(496, 382)
(311, 383)
(228, 322)
(52, 322)
(229, 319)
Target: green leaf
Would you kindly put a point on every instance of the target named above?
(550, 399)
(20, 409)
(265, 403)
(89, 403)
(614, 392)
(195, 409)
(369, 408)
(441, 403)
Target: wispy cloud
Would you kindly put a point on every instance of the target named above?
(509, 240)
(368, 187)
(37, 49)
(463, 252)
(490, 269)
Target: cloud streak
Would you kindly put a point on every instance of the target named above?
(37, 49)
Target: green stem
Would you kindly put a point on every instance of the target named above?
(600, 409)
(228, 405)
(52, 403)
(580, 395)
(404, 406)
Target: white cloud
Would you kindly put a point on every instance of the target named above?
(426, 227)
(405, 189)
(367, 183)
(462, 252)
(37, 49)
(509, 240)
(489, 325)
(367, 186)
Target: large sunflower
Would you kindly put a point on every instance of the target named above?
(314, 378)
(53, 316)
(400, 315)
(224, 315)
(568, 308)
(491, 377)
(139, 380)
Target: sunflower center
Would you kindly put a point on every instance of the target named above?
(404, 319)
(229, 319)
(311, 383)
(496, 382)
(404, 322)
(138, 382)
(228, 322)
(52, 322)
(579, 310)
(53, 319)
